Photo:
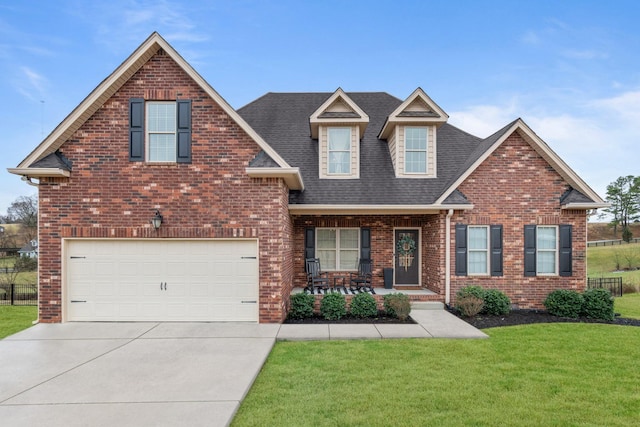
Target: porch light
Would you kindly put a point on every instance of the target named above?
(156, 221)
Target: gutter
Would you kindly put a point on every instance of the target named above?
(447, 259)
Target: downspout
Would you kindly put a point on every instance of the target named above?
(447, 259)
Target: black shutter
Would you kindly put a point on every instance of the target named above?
(136, 129)
(496, 250)
(529, 250)
(309, 243)
(461, 250)
(365, 243)
(565, 250)
(183, 135)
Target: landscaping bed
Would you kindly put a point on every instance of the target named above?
(527, 317)
(382, 317)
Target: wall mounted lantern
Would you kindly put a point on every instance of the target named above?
(156, 221)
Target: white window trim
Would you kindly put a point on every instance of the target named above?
(426, 151)
(556, 251)
(329, 151)
(147, 132)
(486, 250)
(337, 249)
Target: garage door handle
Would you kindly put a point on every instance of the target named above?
(247, 257)
(165, 286)
(75, 300)
(249, 302)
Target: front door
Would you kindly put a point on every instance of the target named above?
(407, 259)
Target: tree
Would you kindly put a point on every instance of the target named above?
(24, 211)
(624, 196)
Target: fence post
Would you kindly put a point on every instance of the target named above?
(13, 292)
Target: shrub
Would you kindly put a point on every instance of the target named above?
(469, 305)
(598, 304)
(397, 305)
(564, 303)
(301, 306)
(333, 306)
(474, 291)
(630, 288)
(496, 302)
(364, 305)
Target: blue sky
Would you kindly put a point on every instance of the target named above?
(570, 69)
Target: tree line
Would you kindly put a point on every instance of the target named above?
(624, 196)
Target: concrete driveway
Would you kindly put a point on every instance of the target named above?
(130, 374)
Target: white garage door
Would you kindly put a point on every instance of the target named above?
(161, 280)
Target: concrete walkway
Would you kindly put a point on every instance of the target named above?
(160, 374)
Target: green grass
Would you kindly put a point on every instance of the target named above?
(628, 306)
(15, 318)
(547, 374)
(602, 261)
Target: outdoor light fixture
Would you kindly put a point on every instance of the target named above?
(156, 221)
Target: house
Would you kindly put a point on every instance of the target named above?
(29, 250)
(159, 201)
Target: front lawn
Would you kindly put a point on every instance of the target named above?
(628, 306)
(546, 374)
(16, 318)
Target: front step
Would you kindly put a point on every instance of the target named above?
(427, 305)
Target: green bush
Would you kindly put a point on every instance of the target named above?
(468, 305)
(564, 303)
(598, 304)
(474, 291)
(333, 306)
(301, 306)
(496, 302)
(364, 305)
(397, 305)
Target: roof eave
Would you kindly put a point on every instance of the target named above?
(40, 172)
(315, 209)
(584, 206)
(291, 176)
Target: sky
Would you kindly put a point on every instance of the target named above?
(569, 69)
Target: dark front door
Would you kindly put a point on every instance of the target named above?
(407, 259)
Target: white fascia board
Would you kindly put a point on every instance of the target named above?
(373, 209)
(40, 172)
(291, 176)
(584, 206)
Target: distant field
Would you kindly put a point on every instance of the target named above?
(611, 261)
(602, 231)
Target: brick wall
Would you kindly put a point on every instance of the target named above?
(109, 196)
(514, 187)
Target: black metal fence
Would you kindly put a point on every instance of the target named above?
(19, 294)
(614, 284)
(611, 242)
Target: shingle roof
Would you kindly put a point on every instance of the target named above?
(574, 196)
(282, 120)
(53, 160)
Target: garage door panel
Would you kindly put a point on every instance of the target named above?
(124, 280)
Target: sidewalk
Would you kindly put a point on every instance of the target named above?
(430, 324)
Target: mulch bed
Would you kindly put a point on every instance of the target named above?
(381, 318)
(527, 317)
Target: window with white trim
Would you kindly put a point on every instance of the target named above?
(547, 250)
(339, 151)
(415, 150)
(161, 131)
(478, 250)
(338, 248)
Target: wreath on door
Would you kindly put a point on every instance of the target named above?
(405, 248)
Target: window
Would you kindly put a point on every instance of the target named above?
(161, 131)
(339, 151)
(547, 250)
(478, 250)
(338, 248)
(415, 147)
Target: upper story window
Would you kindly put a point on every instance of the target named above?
(339, 151)
(415, 146)
(161, 131)
(478, 250)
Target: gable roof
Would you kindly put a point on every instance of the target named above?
(418, 107)
(108, 87)
(338, 109)
(281, 119)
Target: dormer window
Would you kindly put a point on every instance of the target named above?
(415, 149)
(339, 151)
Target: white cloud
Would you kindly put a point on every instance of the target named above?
(484, 120)
(31, 84)
(625, 106)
